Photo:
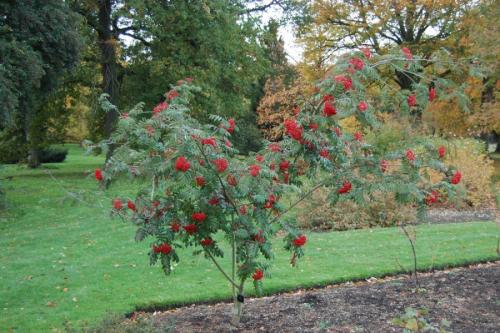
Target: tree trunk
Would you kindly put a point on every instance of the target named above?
(497, 135)
(34, 158)
(109, 65)
(405, 80)
(33, 150)
(488, 96)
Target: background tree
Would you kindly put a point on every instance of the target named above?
(39, 42)
(477, 42)
(219, 43)
(110, 20)
(210, 42)
(423, 26)
(481, 41)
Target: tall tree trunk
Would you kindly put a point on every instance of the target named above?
(109, 65)
(33, 150)
(488, 96)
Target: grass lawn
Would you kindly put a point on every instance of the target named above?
(63, 259)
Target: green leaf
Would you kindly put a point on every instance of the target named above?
(242, 234)
(412, 324)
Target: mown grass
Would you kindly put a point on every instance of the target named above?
(63, 259)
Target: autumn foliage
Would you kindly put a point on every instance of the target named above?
(196, 189)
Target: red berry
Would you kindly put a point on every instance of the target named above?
(293, 129)
(175, 227)
(346, 187)
(254, 170)
(131, 205)
(200, 181)
(384, 165)
(362, 106)
(221, 164)
(182, 164)
(190, 228)
(284, 165)
(432, 94)
(271, 200)
(207, 241)
(274, 147)
(410, 155)
(300, 241)
(98, 175)
(412, 100)
(160, 107)
(357, 63)
(214, 201)
(209, 141)
(163, 248)
(324, 153)
(231, 180)
(328, 109)
(172, 94)
(441, 151)
(199, 216)
(258, 275)
(117, 204)
(457, 176)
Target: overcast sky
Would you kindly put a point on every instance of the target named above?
(293, 50)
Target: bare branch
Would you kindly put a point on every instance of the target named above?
(139, 38)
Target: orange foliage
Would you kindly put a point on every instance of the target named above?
(278, 104)
(446, 118)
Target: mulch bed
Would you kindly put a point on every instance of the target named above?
(453, 215)
(468, 297)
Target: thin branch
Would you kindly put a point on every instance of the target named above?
(221, 270)
(139, 38)
(276, 219)
(224, 190)
(417, 283)
(261, 8)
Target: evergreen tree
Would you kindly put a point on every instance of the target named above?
(39, 42)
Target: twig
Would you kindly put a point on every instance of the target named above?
(297, 202)
(221, 270)
(71, 194)
(224, 191)
(417, 283)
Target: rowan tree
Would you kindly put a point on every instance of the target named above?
(196, 192)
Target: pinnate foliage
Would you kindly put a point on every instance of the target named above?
(197, 187)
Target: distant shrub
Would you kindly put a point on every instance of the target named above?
(250, 139)
(317, 214)
(470, 157)
(13, 148)
(12, 152)
(391, 135)
(53, 155)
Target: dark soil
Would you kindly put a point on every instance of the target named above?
(469, 298)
